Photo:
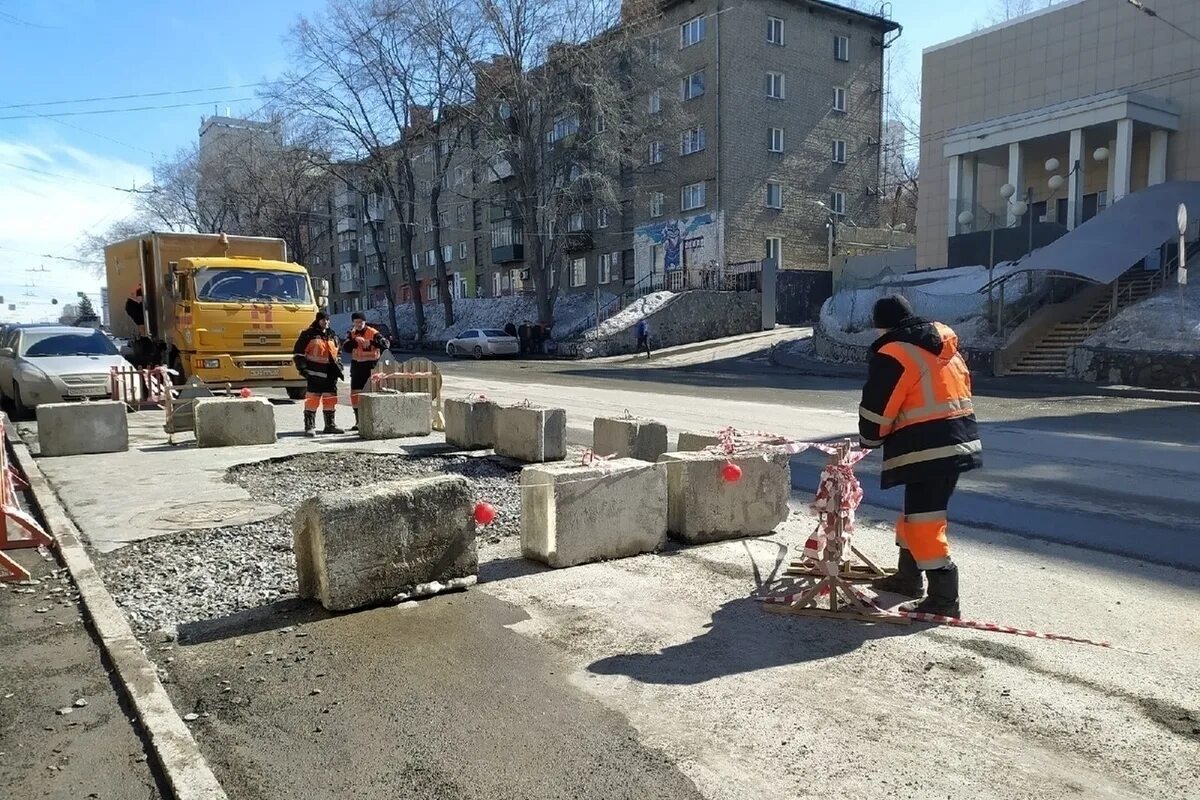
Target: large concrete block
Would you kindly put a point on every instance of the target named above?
(703, 507)
(392, 415)
(571, 514)
(234, 421)
(362, 546)
(531, 433)
(689, 441)
(69, 429)
(629, 437)
(470, 423)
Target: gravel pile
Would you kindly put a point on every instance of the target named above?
(170, 580)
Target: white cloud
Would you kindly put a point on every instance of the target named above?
(48, 214)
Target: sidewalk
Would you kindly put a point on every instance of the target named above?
(1010, 385)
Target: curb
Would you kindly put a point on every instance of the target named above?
(1008, 386)
(183, 765)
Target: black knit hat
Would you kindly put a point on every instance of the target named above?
(359, 315)
(321, 315)
(891, 312)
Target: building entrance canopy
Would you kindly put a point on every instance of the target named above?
(1107, 245)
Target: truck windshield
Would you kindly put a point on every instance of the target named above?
(251, 285)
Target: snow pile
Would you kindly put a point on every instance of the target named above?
(1155, 324)
(957, 297)
(630, 315)
(485, 312)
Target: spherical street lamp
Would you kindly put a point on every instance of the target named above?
(1019, 208)
(1101, 154)
(1056, 182)
(1007, 191)
(966, 218)
(1052, 164)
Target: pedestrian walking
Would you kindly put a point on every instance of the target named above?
(523, 337)
(917, 405)
(365, 345)
(316, 356)
(643, 336)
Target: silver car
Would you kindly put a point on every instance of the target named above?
(54, 364)
(480, 343)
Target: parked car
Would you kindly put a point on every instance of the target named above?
(483, 342)
(55, 364)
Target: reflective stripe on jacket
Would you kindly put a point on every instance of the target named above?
(373, 344)
(917, 405)
(316, 352)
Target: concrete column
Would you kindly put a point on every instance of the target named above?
(954, 179)
(1122, 157)
(1112, 170)
(1077, 164)
(968, 193)
(1016, 175)
(1158, 158)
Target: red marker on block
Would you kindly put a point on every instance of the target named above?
(485, 513)
(731, 472)
(245, 392)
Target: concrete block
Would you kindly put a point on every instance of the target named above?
(234, 421)
(470, 423)
(689, 441)
(531, 433)
(572, 514)
(391, 415)
(70, 429)
(703, 507)
(629, 437)
(368, 545)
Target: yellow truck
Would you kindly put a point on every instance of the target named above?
(225, 308)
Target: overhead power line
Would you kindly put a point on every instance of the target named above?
(98, 111)
(164, 93)
(133, 190)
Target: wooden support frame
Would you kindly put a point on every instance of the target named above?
(12, 517)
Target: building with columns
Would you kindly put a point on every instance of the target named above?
(1040, 123)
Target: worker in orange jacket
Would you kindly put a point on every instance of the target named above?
(316, 356)
(917, 405)
(365, 345)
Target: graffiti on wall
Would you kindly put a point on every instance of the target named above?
(671, 237)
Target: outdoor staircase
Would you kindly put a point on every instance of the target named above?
(1049, 356)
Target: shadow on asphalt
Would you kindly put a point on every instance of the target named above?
(273, 616)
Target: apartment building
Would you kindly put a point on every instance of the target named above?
(1071, 107)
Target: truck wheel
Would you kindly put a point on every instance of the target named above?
(296, 392)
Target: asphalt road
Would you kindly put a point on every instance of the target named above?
(1109, 474)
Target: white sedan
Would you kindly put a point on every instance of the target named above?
(480, 343)
(53, 364)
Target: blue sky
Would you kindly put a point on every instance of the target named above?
(57, 50)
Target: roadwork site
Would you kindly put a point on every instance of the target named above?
(654, 675)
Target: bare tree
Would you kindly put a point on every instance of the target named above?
(355, 72)
(557, 121)
(1004, 10)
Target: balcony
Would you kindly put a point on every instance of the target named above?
(376, 277)
(348, 256)
(496, 213)
(349, 285)
(579, 241)
(508, 254)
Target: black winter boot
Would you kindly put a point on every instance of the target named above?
(906, 581)
(355, 419)
(943, 594)
(310, 423)
(330, 427)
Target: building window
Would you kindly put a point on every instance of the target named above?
(774, 194)
(430, 258)
(656, 204)
(839, 99)
(392, 233)
(427, 223)
(775, 85)
(775, 31)
(655, 101)
(691, 32)
(691, 142)
(839, 151)
(444, 218)
(460, 176)
(447, 253)
(504, 234)
(605, 267)
(564, 126)
(692, 86)
(578, 272)
(431, 291)
(462, 250)
(602, 218)
(837, 202)
(496, 292)
(599, 124)
(775, 250)
(654, 50)
(841, 48)
(692, 196)
(461, 214)
(656, 152)
(575, 222)
(775, 142)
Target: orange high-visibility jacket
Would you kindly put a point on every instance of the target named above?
(374, 344)
(316, 353)
(917, 405)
